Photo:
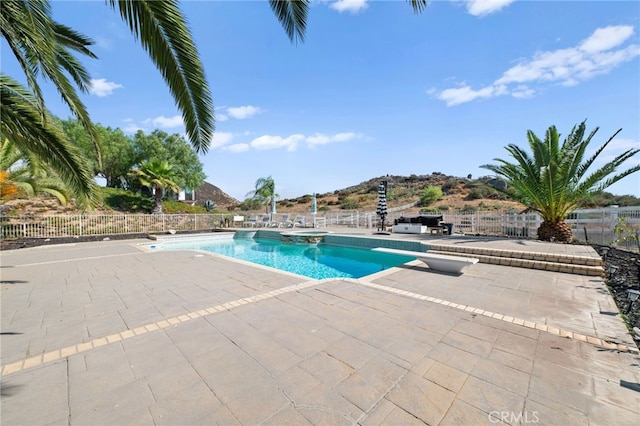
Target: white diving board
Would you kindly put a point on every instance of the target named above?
(437, 262)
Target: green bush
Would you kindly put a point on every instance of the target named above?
(430, 195)
(176, 207)
(126, 201)
(443, 208)
(349, 203)
(468, 209)
(250, 204)
(428, 210)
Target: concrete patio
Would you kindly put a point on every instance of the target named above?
(106, 333)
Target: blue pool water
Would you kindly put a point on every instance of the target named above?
(313, 261)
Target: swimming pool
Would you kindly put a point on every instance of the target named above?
(313, 261)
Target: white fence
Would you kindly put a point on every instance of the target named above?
(33, 226)
(618, 226)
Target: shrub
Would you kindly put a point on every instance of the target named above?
(449, 184)
(250, 204)
(468, 209)
(176, 207)
(428, 210)
(443, 208)
(430, 195)
(349, 203)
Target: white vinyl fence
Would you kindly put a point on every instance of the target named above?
(617, 226)
(33, 226)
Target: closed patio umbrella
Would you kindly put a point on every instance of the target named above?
(314, 204)
(273, 207)
(382, 202)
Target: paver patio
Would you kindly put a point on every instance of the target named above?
(104, 333)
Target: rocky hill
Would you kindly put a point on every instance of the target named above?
(458, 193)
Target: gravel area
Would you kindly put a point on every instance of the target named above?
(622, 269)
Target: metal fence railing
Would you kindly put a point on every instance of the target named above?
(618, 226)
(35, 226)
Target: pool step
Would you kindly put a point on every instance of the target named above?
(580, 265)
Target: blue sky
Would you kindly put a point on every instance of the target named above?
(376, 89)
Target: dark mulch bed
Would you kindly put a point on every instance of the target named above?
(622, 273)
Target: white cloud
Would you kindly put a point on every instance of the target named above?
(243, 112)
(486, 7)
(352, 6)
(465, 93)
(273, 142)
(238, 147)
(221, 117)
(606, 38)
(131, 128)
(322, 139)
(220, 139)
(523, 92)
(101, 87)
(167, 122)
(223, 140)
(567, 67)
(621, 144)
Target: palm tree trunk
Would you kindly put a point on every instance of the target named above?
(560, 232)
(157, 201)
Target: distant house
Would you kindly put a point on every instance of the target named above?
(185, 195)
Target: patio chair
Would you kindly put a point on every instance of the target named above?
(266, 221)
(299, 221)
(285, 221)
(252, 222)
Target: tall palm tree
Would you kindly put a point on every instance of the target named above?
(554, 181)
(158, 176)
(23, 176)
(44, 47)
(264, 192)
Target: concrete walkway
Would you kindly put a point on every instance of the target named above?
(104, 333)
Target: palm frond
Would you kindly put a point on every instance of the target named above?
(163, 33)
(41, 47)
(292, 15)
(27, 28)
(419, 5)
(22, 125)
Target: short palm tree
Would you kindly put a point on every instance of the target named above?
(265, 192)
(23, 176)
(554, 180)
(158, 176)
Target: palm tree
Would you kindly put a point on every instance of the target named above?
(554, 181)
(23, 176)
(265, 192)
(44, 47)
(158, 176)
